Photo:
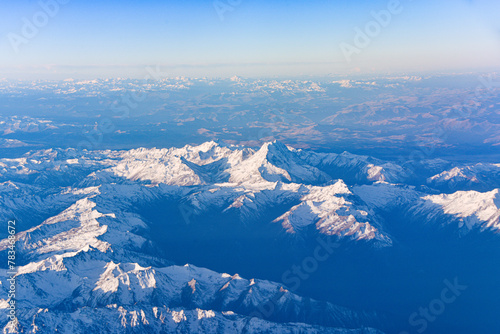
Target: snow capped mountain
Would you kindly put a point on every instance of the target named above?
(79, 226)
(382, 195)
(357, 168)
(91, 226)
(10, 143)
(470, 208)
(12, 124)
(211, 162)
(254, 200)
(276, 162)
(329, 208)
(119, 319)
(88, 280)
(33, 204)
(54, 167)
(76, 264)
(156, 169)
(479, 176)
(226, 177)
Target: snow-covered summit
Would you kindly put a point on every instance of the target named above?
(91, 223)
(471, 208)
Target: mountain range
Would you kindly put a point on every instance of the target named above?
(143, 239)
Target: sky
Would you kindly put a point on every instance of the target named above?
(57, 39)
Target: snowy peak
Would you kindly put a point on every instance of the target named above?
(209, 162)
(471, 208)
(478, 177)
(73, 229)
(273, 162)
(197, 165)
(75, 282)
(355, 168)
(92, 257)
(333, 211)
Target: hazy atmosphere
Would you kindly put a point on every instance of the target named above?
(83, 39)
(235, 166)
